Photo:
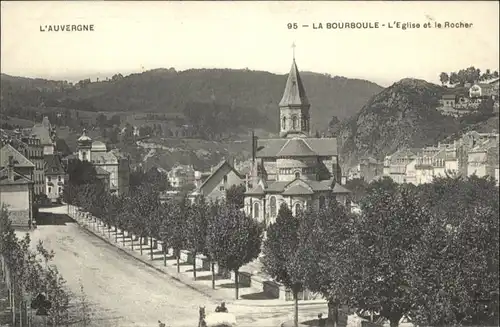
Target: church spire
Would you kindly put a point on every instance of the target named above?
(295, 93)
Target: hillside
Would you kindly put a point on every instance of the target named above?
(253, 93)
(403, 115)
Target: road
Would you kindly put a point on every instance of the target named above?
(125, 292)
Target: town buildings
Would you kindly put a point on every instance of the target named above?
(294, 169)
(473, 154)
(111, 166)
(463, 102)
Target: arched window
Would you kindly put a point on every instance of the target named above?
(294, 122)
(297, 174)
(298, 208)
(321, 202)
(283, 123)
(272, 205)
(256, 208)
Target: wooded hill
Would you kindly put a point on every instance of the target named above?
(252, 94)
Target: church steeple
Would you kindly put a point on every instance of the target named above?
(294, 106)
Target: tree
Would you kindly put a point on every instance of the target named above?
(358, 187)
(444, 78)
(454, 268)
(454, 78)
(177, 226)
(235, 195)
(326, 243)
(197, 224)
(389, 227)
(495, 74)
(237, 239)
(280, 251)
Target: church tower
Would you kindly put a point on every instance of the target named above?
(294, 107)
(84, 147)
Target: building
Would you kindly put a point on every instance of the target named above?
(221, 178)
(181, 175)
(47, 135)
(483, 159)
(16, 191)
(396, 164)
(473, 154)
(30, 147)
(111, 166)
(294, 169)
(448, 100)
(55, 177)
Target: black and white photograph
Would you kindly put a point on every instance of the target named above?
(249, 163)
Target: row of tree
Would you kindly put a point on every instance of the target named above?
(428, 253)
(33, 282)
(219, 231)
(468, 75)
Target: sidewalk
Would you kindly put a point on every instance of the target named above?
(224, 288)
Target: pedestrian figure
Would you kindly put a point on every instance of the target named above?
(321, 320)
(221, 308)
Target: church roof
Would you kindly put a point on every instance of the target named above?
(296, 147)
(295, 93)
(269, 148)
(298, 189)
(19, 160)
(315, 186)
(98, 146)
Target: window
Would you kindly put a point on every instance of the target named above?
(60, 190)
(225, 179)
(50, 189)
(256, 208)
(297, 174)
(221, 188)
(298, 208)
(272, 204)
(321, 202)
(49, 179)
(58, 178)
(294, 122)
(283, 123)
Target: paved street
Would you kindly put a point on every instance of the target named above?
(126, 292)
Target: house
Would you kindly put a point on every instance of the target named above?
(222, 177)
(395, 165)
(294, 169)
(448, 100)
(181, 175)
(16, 192)
(485, 90)
(483, 159)
(111, 166)
(55, 177)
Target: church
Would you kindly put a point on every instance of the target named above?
(295, 169)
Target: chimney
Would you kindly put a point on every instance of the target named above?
(10, 169)
(254, 146)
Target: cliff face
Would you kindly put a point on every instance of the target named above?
(403, 115)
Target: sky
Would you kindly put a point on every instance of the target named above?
(131, 37)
